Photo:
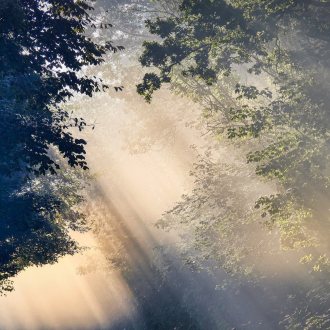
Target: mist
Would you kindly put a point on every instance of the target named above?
(175, 239)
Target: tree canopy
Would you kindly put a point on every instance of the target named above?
(43, 47)
(260, 70)
(216, 45)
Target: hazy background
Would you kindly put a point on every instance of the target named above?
(132, 275)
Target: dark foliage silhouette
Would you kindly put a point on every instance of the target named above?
(43, 46)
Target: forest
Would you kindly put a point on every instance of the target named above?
(166, 160)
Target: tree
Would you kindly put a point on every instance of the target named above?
(285, 42)
(43, 46)
(261, 71)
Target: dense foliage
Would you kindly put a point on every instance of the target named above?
(43, 46)
(222, 52)
(260, 69)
